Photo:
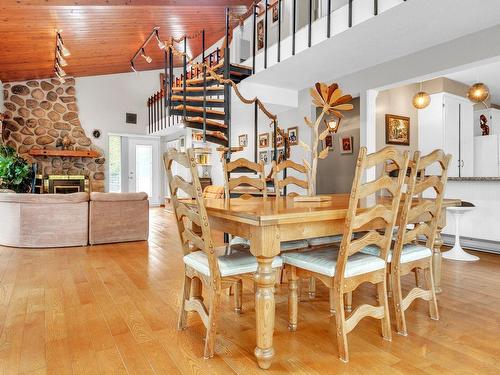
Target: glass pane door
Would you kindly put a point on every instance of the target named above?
(144, 169)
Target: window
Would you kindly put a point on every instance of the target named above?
(115, 164)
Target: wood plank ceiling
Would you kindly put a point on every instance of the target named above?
(101, 38)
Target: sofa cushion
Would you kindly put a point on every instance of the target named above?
(234, 263)
(324, 261)
(44, 198)
(117, 197)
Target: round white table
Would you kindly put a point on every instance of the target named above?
(457, 253)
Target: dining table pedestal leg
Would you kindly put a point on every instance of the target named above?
(264, 311)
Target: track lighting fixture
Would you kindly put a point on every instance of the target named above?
(155, 34)
(146, 57)
(161, 45)
(60, 77)
(60, 45)
(60, 58)
(60, 70)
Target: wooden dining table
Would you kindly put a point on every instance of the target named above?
(266, 222)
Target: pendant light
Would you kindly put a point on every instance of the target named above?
(421, 99)
(478, 93)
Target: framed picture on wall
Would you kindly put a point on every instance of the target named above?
(260, 34)
(397, 130)
(243, 140)
(264, 157)
(293, 136)
(275, 12)
(264, 140)
(279, 140)
(346, 145)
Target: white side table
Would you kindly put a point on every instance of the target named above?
(457, 253)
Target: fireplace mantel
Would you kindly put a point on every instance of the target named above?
(65, 153)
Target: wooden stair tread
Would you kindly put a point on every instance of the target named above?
(217, 134)
(196, 99)
(199, 120)
(197, 81)
(198, 109)
(198, 89)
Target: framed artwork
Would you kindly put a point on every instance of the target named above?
(260, 34)
(264, 157)
(275, 12)
(243, 140)
(329, 142)
(397, 130)
(264, 140)
(281, 153)
(346, 145)
(279, 141)
(293, 136)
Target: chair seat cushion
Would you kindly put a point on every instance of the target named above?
(410, 253)
(324, 261)
(239, 243)
(234, 263)
(294, 245)
(321, 241)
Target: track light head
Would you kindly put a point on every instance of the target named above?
(161, 45)
(60, 58)
(60, 70)
(60, 44)
(146, 57)
(133, 66)
(60, 77)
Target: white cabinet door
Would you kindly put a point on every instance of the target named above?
(452, 134)
(486, 160)
(466, 139)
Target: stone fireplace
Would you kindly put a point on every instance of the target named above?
(40, 115)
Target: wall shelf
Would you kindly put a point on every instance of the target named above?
(65, 153)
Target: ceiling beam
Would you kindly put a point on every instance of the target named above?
(196, 3)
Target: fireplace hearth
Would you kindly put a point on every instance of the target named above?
(65, 184)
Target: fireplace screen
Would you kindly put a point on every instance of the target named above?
(66, 184)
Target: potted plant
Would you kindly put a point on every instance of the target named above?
(15, 172)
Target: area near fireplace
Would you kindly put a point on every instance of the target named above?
(43, 126)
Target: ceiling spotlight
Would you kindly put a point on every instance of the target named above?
(478, 93)
(146, 57)
(161, 45)
(61, 59)
(60, 77)
(60, 44)
(60, 70)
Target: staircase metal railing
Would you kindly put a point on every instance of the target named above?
(160, 103)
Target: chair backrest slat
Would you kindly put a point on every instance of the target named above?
(423, 213)
(367, 217)
(192, 219)
(289, 180)
(258, 183)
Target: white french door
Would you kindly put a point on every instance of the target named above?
(144, 167)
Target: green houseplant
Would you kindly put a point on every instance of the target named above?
(15, 172)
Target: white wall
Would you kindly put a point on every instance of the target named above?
(104, 100)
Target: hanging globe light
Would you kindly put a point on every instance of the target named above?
(421, 100)
(478, 93)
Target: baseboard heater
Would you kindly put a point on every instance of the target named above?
(473, 243)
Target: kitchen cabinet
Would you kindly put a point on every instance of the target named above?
(448, 124)
(487, 156)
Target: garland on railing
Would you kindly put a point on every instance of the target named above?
(223, 81)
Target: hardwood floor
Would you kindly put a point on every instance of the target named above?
(112, 309)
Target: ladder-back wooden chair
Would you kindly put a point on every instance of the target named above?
(408, 255)
(344, 270)
(258, 182)
(281, 183)
(204, 267)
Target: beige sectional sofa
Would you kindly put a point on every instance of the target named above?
(63, 220)
(118, 217)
